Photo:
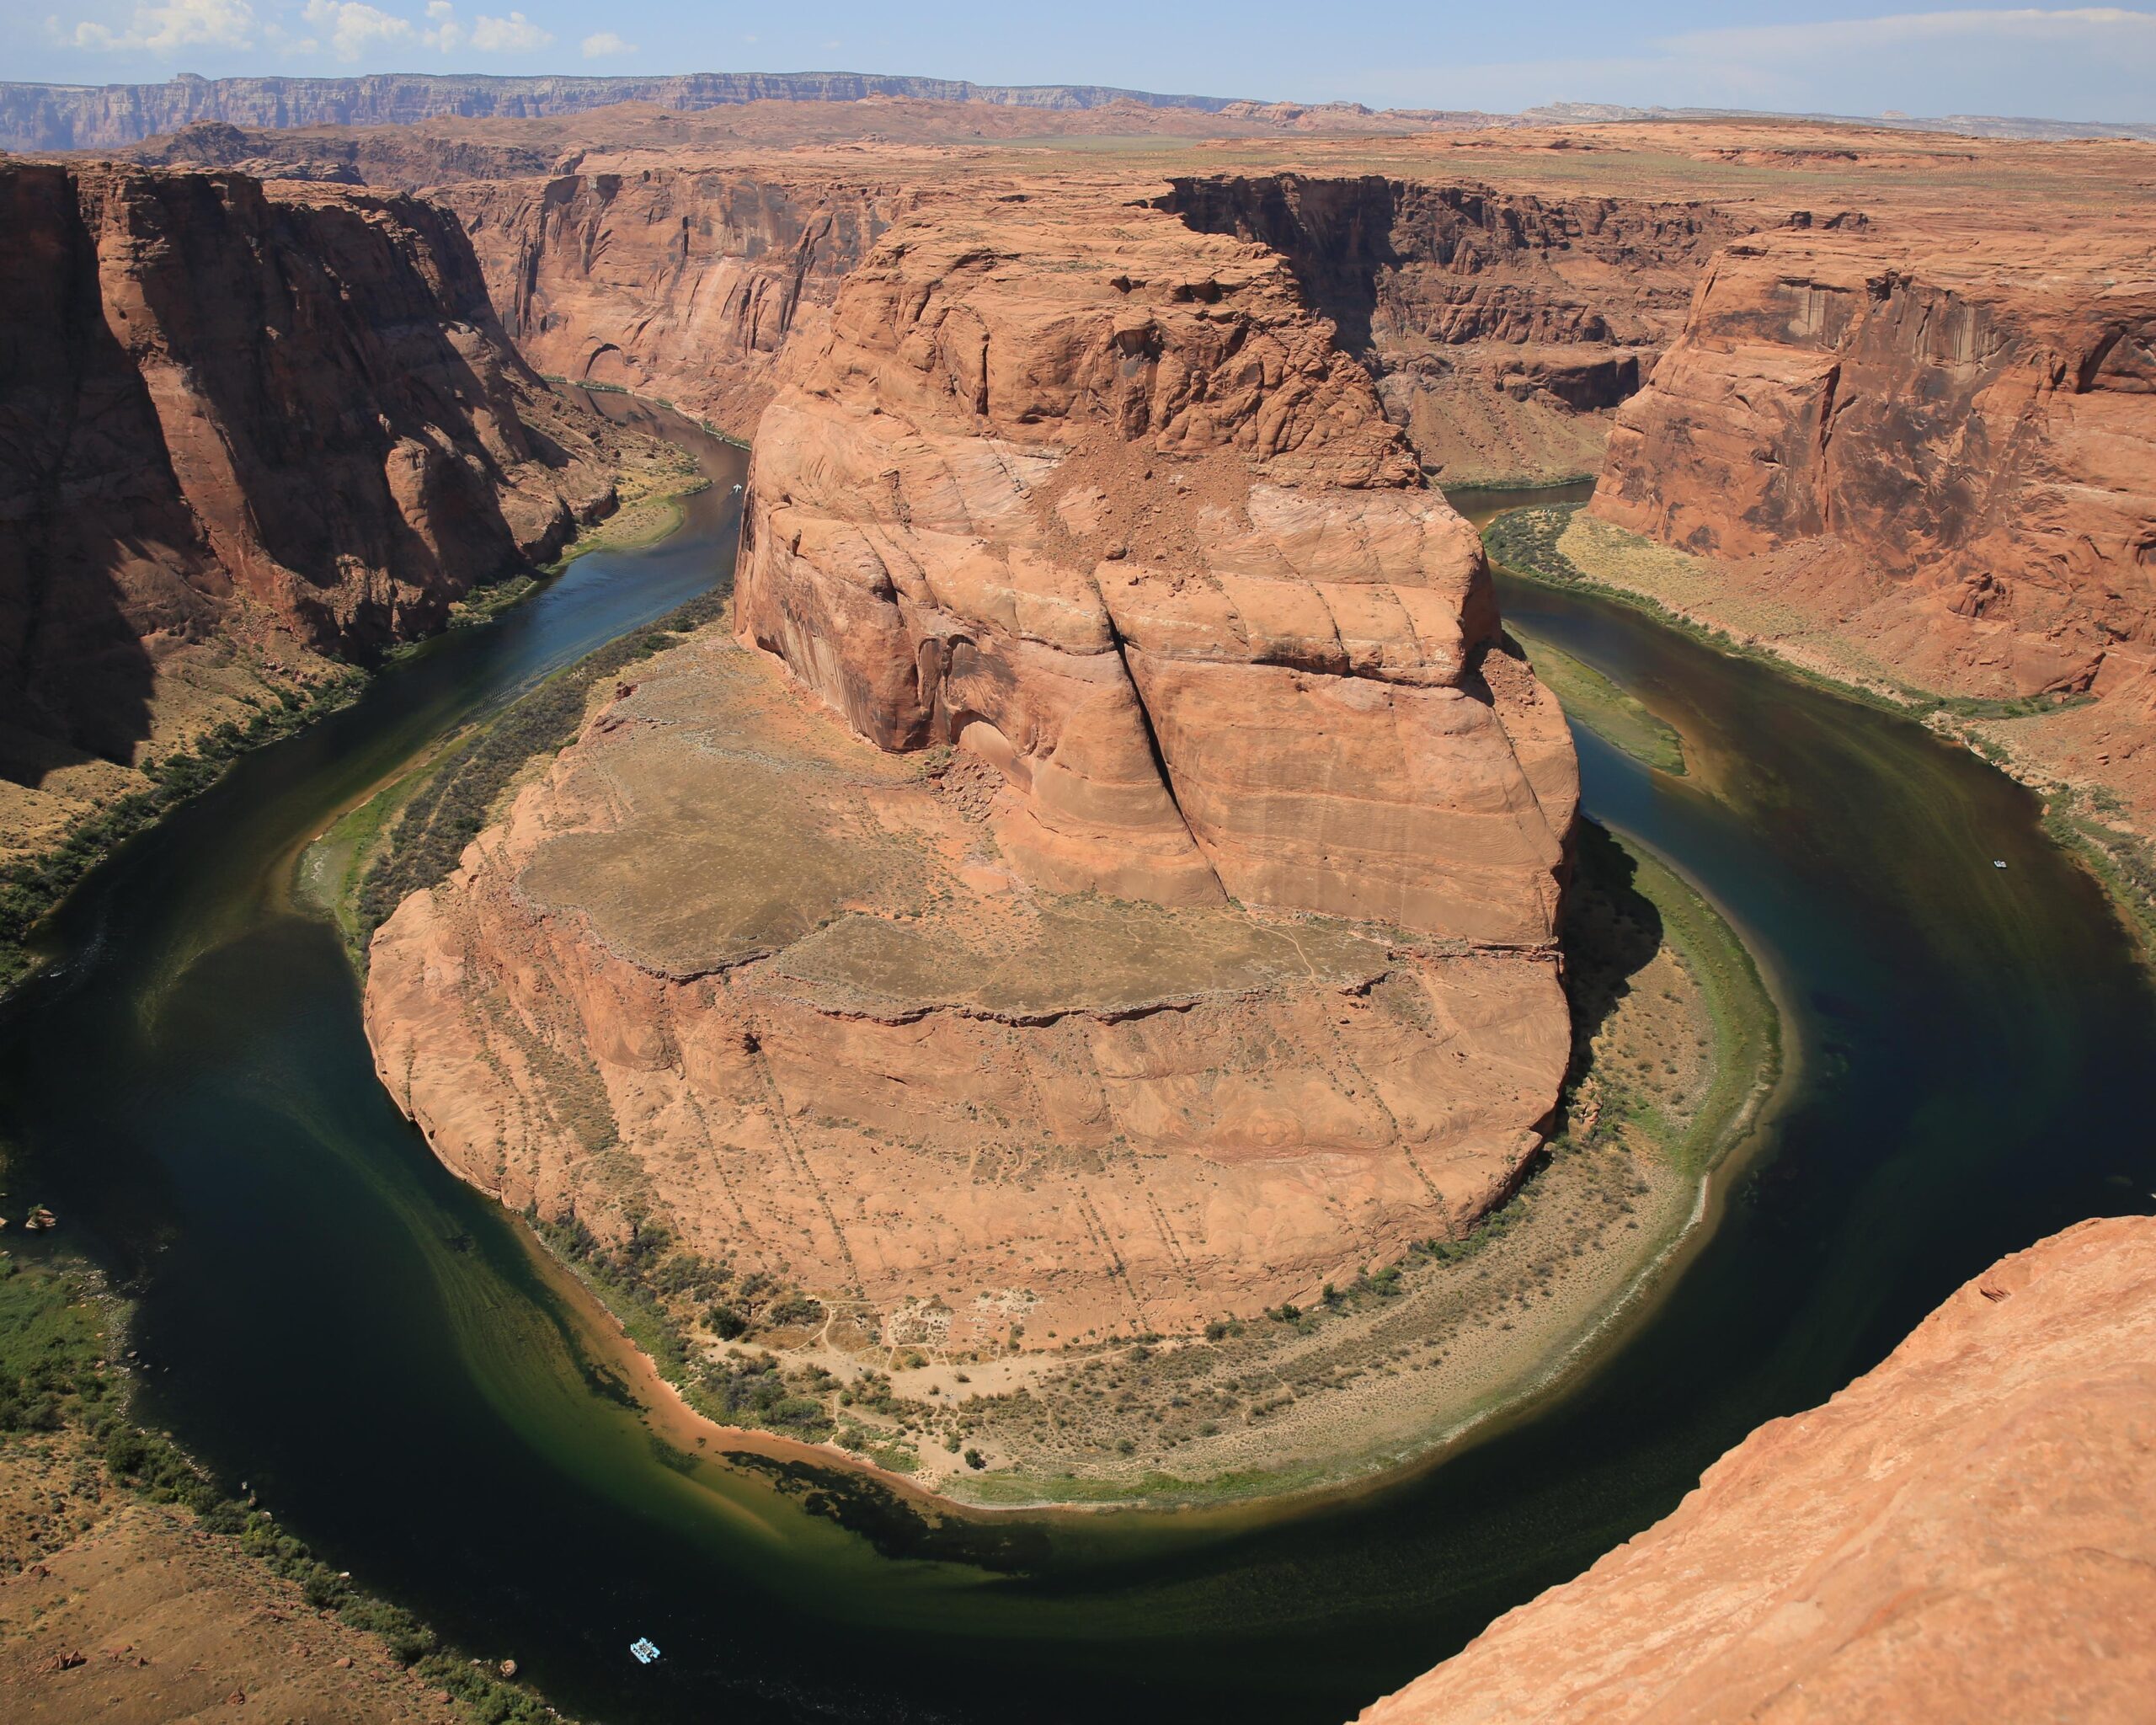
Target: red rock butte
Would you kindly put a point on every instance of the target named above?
(1117, 886)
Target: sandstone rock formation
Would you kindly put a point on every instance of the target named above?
(1101, 502)
(286, 413)
(666, 277)
(1964, 1533)
(1135, 904)
(109, 116)
(1943, 437)
(1502, 326)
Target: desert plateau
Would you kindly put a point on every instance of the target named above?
(1332, 909)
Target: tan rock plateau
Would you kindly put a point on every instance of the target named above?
(1964, 1533)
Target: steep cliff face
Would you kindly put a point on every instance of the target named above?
(1963, 1533)
(1951, 435)
(229, 409)
(668, 279)
(1502, 326)
(1110, 882)
(1103, 501)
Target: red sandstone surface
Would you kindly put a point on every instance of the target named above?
(1966, 1532)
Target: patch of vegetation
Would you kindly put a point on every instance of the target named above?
(30, 888)
(2086, 823)
(661, 1292)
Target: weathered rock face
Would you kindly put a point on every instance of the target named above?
(1963, 1533)
(1954, 433)
(1502, 326)
(1097, 498)
(669, 279)
(1120, 890)
(227, 407)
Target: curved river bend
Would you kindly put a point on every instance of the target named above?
(330, 1316)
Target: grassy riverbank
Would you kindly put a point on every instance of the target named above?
(1559, 546)
(136, 1584)
(31, 886)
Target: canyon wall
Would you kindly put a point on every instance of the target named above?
(668, 278)
(106, 116)
(1502, 326)
(1964, 1533)
(1170, 848)
(283, 413)
(1942, 440)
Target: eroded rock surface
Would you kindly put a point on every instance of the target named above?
(1502, 326)
(286, 413)
(1964, 1533)
(1944, 436)
(1097, 499)
(666, 276)
(1112, 883)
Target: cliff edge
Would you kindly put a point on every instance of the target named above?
(1964, 1533)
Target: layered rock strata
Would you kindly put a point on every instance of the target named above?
(1116, 886)
(668, 279)
(1963, 1533)
(1942, 441)
(1502, 326)
(284, 412)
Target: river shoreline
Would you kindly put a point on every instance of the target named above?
(2118, 853)
(1679, 1205)
(1520, 1359)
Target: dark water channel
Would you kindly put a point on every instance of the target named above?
(332, 1318)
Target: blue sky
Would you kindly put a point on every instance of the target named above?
(2067, 62)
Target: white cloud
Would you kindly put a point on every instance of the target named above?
(514, 34)
(604, 42)
(353, 27)
(166, 29)
(447, 33)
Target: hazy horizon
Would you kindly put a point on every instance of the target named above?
(2087, 64)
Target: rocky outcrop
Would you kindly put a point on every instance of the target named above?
(1111, 883)
(1099, 501)
(1963, 1533)
(1943, 437)
(667, 277)
(1502, 326)
(283, 412)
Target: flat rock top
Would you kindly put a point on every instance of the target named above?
(715, 815)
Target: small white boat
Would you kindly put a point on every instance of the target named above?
(1998, 862)
(642, 1651)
